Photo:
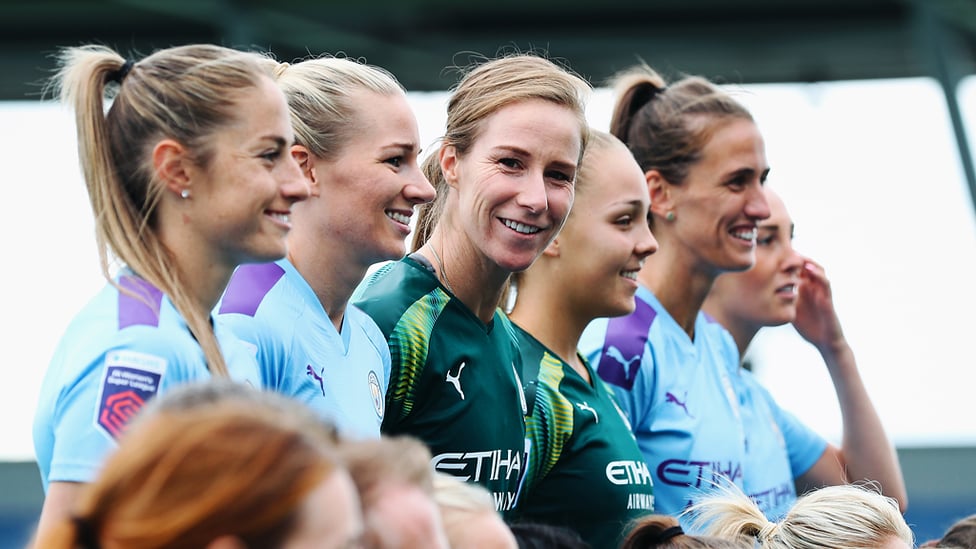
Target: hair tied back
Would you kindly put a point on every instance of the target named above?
(767, 532)
(667, 534)
(643, 95)
(122, 72)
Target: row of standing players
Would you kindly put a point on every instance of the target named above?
(584, 406)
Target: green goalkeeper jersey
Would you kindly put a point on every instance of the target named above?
(454, 380)
(584, 470)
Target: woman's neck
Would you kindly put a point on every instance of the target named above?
(204, 280)
(472, 278)
(679, 287)
(543, 310)
(332, 271)
(743, 331)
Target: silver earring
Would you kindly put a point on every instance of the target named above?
(185, 193)
(669, 216)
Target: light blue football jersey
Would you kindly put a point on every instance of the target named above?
(699, 419)
(121, 350)
(342, 375)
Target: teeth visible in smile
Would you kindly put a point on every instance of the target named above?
(520, 227)
(283, 217)
(630, 274)
(749, 235)
(398, 217)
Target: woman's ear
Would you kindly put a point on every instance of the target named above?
(306, 161)
(173, 166)
(552, 250)
(659, 190)
(449, 164)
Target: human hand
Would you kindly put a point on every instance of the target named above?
(816, 320)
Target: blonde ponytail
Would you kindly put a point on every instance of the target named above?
(180, 93)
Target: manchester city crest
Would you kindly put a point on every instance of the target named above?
(377, 393)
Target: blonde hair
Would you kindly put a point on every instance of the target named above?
(451, 493)
(183, 478)
(483, 91)
(186, 93)
(321, 94)
(588, 171)
(460, 503)
(400, 459)
(666, 126)
(839, 517)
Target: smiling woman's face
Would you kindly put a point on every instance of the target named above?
(765, 295)
(515, 185)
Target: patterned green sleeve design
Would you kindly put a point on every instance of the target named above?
(551, 424)
(409, 342)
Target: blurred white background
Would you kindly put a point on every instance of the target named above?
(869, 171)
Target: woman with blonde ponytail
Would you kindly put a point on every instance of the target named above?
(189, 176)
(845, 516)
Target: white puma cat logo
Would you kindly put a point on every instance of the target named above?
(586, 408)
(456, 379)
(614, 353)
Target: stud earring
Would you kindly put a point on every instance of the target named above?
(669, 216)
(185, 193)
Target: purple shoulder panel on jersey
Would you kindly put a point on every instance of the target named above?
(139, 302)
(623, 346)
(248, 286)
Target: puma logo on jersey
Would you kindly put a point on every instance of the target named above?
(312, 374)
(669, 397)
(455, 380)
(614, 353)
(583, 406)
(521, 391)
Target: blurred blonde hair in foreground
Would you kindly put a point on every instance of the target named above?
(469, 515)
(835, 517)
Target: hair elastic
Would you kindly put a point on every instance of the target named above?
(119, 75)
(669, 533)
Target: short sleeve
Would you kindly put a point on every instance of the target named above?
(96, 409)
(803, 445)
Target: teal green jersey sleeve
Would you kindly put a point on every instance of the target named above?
(585, 470)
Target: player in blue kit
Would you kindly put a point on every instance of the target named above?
(585, 471)
(785, 287)
(504, 175)
(699, 419)
(673, 368)
(185, 184)
(357, 143)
